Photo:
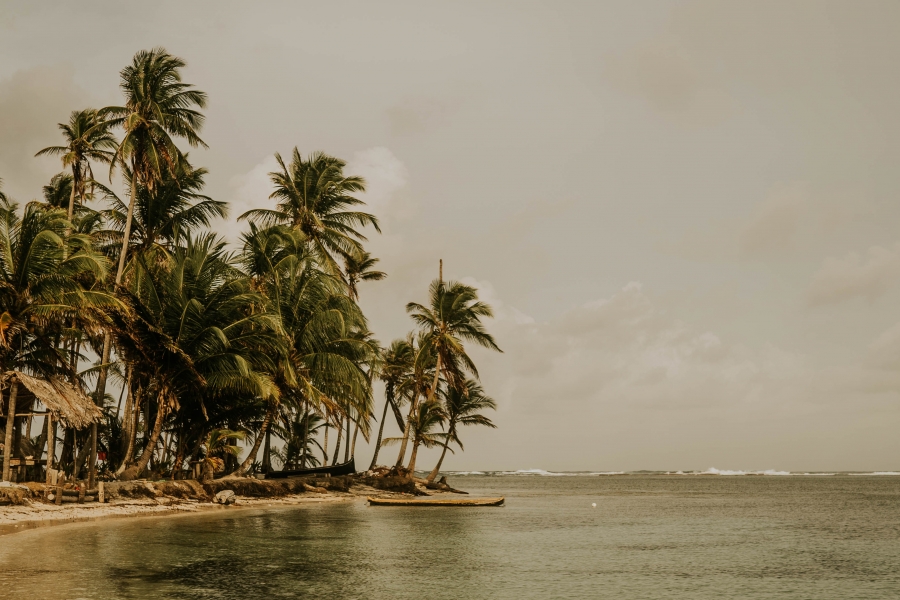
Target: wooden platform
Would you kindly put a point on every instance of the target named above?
(435, 501)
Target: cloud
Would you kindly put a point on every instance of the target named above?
(866, 275)
(386, 178)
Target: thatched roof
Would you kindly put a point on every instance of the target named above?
(61, 398)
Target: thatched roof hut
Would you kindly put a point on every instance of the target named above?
(66, 402)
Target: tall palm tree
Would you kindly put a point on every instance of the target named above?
(396, 368)
(158, 108)
(463, 408)
(59, 191)
(359, 267)
(314, 196)
(87, 138)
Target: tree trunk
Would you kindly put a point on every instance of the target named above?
(412, 458)
(405, 440)
(107, 342)
(325, 445)
(353, 445)
(387, 401)
(127, 417)
(305, 445)
(136, 469)
(132, 435)
(337, 446)
(437, 467)
(267, 453)
(259, 438)
(347, 442)
(10, 423)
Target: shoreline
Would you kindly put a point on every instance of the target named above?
(16, 519)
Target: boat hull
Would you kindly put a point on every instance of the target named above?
(347, 468)
(436, 502)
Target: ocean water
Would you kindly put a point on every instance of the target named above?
(649, 536)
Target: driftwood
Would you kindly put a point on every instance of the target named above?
(443, 486)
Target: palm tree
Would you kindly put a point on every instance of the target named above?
(313, 196)
(452, 316)
(200, 339)
(463, 408)
(396, 369)
(42, 285)
(158, 107)
(427, 417)
(88, 138)
(59, 191)
(324, 330)
(359, 267)
(219, 444)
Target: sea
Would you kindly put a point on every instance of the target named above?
(718, 534)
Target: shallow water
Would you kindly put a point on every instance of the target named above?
(648, 537)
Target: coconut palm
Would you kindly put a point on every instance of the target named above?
(199, 339)
(42, 285)
(58, 192)
(298, 431)
(428, 416)
(359, 267)
(396, 370)
(314, 196)
(463, 408)
(158, 108)
(87, 138)
(453, 316)
(219, 444)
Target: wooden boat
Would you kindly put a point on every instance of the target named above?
(347, 468)
(435, 501)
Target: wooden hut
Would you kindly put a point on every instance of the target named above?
(63, 402)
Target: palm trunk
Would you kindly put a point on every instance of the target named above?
(10, 423)
(132, 435)
(412, 459)
(337, 446)
(387, 401)
(305, 445)
(107, 342)
(267, 453)
(406, 430)
(135, 470)
(437, 468)
(347, 442)
(127, 417)
(353, 445)
(259, 438)
(325, 445)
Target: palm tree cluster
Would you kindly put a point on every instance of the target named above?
(211, 346)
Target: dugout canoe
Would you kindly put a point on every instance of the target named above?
(347, 468)
(435, 501)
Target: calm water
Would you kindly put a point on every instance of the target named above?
(648, 537)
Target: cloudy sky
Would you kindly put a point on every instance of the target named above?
(685, 213)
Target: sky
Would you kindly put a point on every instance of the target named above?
(683, 213)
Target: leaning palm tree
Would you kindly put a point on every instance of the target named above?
(428, 417)
(463, 408)
(87, 138)
(359, 267)
(158, 108)
(315, 197)
(396, 368)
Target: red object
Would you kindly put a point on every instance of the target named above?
(101, 455)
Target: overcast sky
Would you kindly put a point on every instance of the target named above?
(685, 214)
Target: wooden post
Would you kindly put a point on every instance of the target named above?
(10, 421)
(101, 495)
(81, 487)
(50, 445)
(59, 488)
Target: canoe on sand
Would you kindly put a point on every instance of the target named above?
(435, 501)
